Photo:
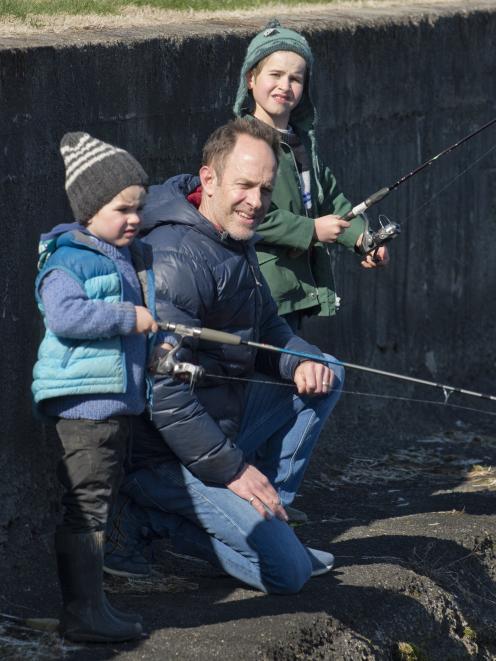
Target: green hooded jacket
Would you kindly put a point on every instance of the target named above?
(297, 269)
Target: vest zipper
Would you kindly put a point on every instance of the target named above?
(67, 357)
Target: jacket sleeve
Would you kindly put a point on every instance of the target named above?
(192, 434)
(70, 313)
(275, 330)
(336, 203)
(281, 227)
(184, 290)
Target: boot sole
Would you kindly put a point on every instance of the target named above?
(96, 638)
(123, 572)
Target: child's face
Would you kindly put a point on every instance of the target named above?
(278, 87)
(118, 221)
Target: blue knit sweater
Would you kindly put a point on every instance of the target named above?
(69, 313)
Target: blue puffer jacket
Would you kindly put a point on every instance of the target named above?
(204, 278)
(74, 367)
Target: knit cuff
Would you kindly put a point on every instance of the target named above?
(128, 321)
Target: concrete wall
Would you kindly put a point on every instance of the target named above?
(395, 87)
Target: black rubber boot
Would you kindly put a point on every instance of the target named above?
(86, 617)
(121, 615)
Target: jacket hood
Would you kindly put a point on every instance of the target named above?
(304, 117)
(62, 228)
(58, 235)
(167, 202)
(275, 38)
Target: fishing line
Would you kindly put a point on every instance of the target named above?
(372, 240)
(383, 192)
(384, 221)
(222, 337)
(356, 392)
(452, 181)
(417, 401)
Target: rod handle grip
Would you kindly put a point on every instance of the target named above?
(208, 334)
(211, 335)
(363, 206)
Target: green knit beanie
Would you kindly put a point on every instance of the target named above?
(273, 38)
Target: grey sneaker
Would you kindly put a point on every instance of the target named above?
(125, 542)
(296, 516)
(131, 566)
(322, 561)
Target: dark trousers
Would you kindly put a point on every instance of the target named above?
(91, 469)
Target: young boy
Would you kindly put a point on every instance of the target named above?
(94, 281)
(306, 210)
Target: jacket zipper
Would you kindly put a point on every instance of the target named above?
(295, 165)
(298, 180)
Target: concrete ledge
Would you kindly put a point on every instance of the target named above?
(336, 16)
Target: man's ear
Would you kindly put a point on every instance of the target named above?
(208, 179)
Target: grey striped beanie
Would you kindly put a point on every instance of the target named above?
(95, 172)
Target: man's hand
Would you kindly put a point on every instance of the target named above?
(313, 378)
(328, 228)
(252, 485)
(144, 320)
(159, 352)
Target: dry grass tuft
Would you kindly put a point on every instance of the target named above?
(439, 459)
(31, 643)
(156, 583)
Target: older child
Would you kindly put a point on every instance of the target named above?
(90, 376)
(306, 210)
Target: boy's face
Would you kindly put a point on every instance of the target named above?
(278, 87)
(118, 221)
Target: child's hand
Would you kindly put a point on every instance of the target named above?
(380, 257)
(328, 228)
(144, 320)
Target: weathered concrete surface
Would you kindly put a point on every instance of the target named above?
(411, 522)
(395, 87)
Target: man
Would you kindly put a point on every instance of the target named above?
(239, 447)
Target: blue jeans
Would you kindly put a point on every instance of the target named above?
(278, 433)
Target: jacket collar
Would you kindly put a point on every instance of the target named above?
(167, 204)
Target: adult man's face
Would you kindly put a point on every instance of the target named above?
(237, 199)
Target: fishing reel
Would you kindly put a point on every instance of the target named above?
(373, 240)
(169, 365)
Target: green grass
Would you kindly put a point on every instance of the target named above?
(24, 8)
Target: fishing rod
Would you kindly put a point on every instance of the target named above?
(210, 335)
(389, 230)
